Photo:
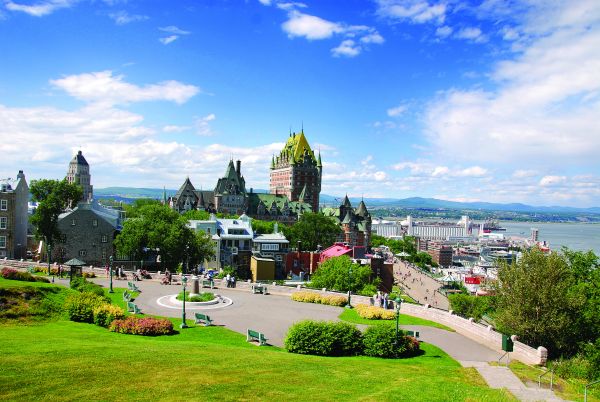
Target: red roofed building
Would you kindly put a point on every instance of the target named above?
(338, 249)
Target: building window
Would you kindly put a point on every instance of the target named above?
(73, 222)
(82, 253)
(3, 205)
(270, 247)
(2, 241)
(95, 223)
(63, 238)
(3, 222)
(104, 239)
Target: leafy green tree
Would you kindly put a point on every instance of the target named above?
(158, 226)
(132, 210)
(263, 227)
(471, 306)
(196, 215)
(312, 230)
(53, 197)
(536, 302)
(334, 273)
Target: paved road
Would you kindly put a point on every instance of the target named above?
(274, 314)
(419, 286)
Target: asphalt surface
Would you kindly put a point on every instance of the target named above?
(274, 314)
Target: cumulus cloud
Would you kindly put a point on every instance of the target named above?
(168, 39)
(104, 87)
(203, 125)
(347, 48)
(174, 30)
(552, 180)
(39, 9)
(541, 105)
(415, 11)
(471, 33)
(311, 27)
(396, 111)
(444, 31)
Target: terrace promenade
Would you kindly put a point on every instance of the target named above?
(420, 286)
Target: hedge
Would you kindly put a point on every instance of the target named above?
(105, 314)
(146, 326)
(380, 341)
(374, 313)
(80, 306)
(13, 274)
(324, 339)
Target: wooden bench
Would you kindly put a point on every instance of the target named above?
(133, 308)
(203, 319)
(414, 334)
(208, 283)
(256, 336)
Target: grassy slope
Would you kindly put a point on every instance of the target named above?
(352, 316)
(73, 361)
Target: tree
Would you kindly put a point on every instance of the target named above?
(53, 197)
(158, 226)
(312, 230)
(536, 302)
(334, 273)
(196, 215)
(132, 210)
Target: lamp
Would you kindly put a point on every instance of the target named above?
(184, 283)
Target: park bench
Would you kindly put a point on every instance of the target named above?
(203, 319)
(133, 308)
(208, 283)
(256, 336)
(133, 287)
(259, 288)
(126, 296)
(414, 334)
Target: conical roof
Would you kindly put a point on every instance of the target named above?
(79, 159)
(187, 184)
(362, 209)
(347, 218)
(346, 201)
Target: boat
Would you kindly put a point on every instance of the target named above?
(492, 225)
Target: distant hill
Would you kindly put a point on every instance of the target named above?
(129, 194)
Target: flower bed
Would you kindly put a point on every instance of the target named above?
(310, 297)
(374, 313)
(146, 326)
(201, 297)
(13, 274)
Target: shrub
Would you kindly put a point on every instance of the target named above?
(368, 290)
(13, 274)
(312, 297)
(146, 326)
(80, 284)
(80, 306)
(380, 341)
(468, 306)
(201, 297)
(105, 314)
(324, 339)
(374, 313)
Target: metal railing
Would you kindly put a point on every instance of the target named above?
(586, 388)
(551, 371)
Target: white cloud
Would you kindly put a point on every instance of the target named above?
(542, 105)
(168, 39)
(174, 30)
(396, 111)
(415, 11)
(123, 17)
(547, 181)
(440, 171)
(523, 173)
(443, 32)
(309, 26)
(380, 176)
(203, 125)
(104, 87)
(509, 33)
(374, 37)
(471, 33)
(473, 171)
(41, 8)
(265, 2)
(290, 6)
(175, 129)
(347, 48)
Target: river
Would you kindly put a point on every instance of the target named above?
(576, 236)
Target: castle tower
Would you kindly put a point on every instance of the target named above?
(296, 171)
(79, 173)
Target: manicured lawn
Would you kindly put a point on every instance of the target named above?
(73, 361)
(352, 316)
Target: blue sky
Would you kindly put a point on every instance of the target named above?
(488, 100)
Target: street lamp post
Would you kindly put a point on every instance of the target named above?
(184, 283)
(349, 287)
(110, 261)
(398, 303)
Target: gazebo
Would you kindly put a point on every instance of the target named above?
(76, 267)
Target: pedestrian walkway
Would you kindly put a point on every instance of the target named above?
(421, 287)
(502, 377)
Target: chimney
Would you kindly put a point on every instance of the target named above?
(238, 166)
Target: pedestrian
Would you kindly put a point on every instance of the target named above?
(107, 271)
(228, 280)
(376, 298)
(385, 300)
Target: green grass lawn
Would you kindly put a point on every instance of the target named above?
(73, 361)
(352, 316)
